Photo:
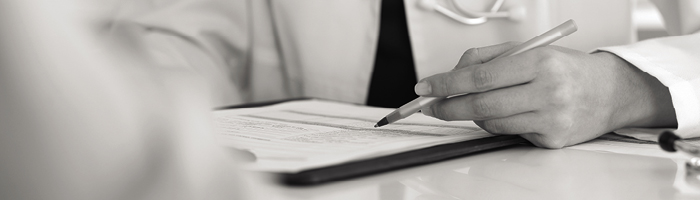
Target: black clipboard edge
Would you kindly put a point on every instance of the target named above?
(397, 161)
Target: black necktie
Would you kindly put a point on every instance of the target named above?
(394, 75)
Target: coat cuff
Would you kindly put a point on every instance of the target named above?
(675, 62)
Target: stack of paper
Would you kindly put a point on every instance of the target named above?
(301, 135)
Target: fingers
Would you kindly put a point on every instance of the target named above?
(494, 104)
(546, 141)
(542, 130)
(478, 78)
(481, 55)
(515, 119)
(523, 123)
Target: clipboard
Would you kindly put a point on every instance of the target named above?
(389, 162)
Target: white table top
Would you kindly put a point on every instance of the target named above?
(519, 172)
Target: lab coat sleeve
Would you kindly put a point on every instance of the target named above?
(208, 36)
(675, 62)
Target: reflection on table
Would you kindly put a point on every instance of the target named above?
(520, 172)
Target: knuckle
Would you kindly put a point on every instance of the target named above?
(482, 79)
(549, 58)
(560, 94)
(549, 62)
(469, 57)
(471, 53)
(547, 51)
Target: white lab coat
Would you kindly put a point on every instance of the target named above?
(261, 50)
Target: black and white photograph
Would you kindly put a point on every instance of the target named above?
(349, 99)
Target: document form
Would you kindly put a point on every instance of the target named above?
(301, 135)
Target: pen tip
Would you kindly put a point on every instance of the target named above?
(381, 123)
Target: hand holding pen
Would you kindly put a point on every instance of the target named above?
(551, 96)
(548, 37)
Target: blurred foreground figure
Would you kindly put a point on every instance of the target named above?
(85, 114)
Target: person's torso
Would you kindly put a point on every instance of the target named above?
(326, 49)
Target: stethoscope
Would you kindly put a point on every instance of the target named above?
(475, 18)
(671, 142)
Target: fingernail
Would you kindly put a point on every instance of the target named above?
(422, 88)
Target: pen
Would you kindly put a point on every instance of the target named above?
(546, 38)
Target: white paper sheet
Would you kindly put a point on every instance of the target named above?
(300, 135)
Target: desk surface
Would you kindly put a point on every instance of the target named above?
(520, 172)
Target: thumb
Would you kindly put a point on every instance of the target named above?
(480, 55)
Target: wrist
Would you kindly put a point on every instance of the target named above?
(639, 100)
